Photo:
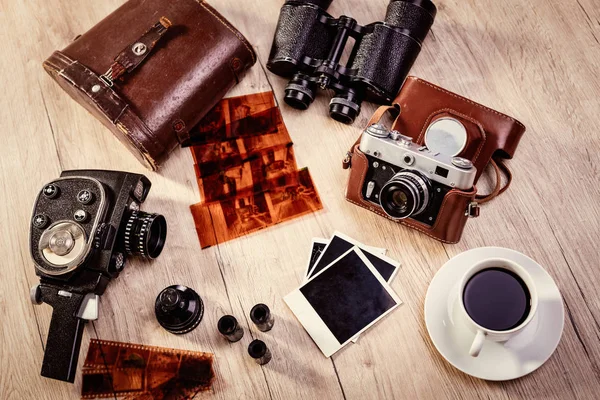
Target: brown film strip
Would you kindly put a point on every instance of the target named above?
(248, 180)
(235, 117)
(251, 176)
(133, 371)
(215, 157)
(244, 214)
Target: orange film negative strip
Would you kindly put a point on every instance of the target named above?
(244, 214)
(249, 176)
(248, 115)
(215, 157)
(132, 371)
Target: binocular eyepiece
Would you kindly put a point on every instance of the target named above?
(309, 44)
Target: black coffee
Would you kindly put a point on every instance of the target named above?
(497, 299)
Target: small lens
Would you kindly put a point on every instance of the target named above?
(345, 107)
(400, 199)
(300, 92)
(406, 194)
(145, 234)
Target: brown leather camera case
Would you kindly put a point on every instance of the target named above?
(152, 69)
(490, 136)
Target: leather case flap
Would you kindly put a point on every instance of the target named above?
(161, 76)
(451, 219)
(489, 132)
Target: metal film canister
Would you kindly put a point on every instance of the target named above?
(258, 350)
(228, 327)
(262, 317)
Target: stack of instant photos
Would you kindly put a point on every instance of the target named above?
(246, 170)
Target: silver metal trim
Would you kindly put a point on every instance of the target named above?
(393, 152)
(370, 188)
(90, 240)
(139, 49)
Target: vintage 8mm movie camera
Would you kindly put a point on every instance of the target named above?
(84, 225)
(407, 180)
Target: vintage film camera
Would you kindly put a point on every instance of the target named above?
(407, 180)
(309, 43)
(84, 225)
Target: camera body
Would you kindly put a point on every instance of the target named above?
(407, 180)
(309, 43)
(84, 225)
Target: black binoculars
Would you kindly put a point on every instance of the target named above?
(309, 44)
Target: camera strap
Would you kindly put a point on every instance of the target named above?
(499, 169)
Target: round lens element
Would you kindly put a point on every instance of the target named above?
(406, 194)
(447, 136)
(400, 199)
(178, 309)
(145, 234)
(300, 92)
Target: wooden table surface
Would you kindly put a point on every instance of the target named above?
(536, 60)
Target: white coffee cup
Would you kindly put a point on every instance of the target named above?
(481, 333)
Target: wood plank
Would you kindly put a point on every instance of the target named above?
(534, 60)
(28, 160)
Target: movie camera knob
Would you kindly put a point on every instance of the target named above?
(51, 191)
(35, 294)
(85, 197)
(80, 216)
(61, 242)
(40, 221)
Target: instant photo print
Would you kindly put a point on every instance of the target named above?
(319, 245)
(340, 244)
(341, 301)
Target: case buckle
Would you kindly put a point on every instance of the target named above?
(473, 210)
(133, 55)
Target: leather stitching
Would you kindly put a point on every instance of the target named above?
(439, 89)
(401, 222)
(138, 144)
(233, 30)
(112, 96)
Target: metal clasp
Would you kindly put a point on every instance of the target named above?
(105, 78)
(473, 210)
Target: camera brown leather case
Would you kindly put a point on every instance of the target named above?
(152, 69)
(491, 137)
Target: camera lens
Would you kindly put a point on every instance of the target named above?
(406, 194)
(178, 309)
(345, 107)
(145, 234)
(300, 92)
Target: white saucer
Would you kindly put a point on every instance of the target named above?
(513, 359)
